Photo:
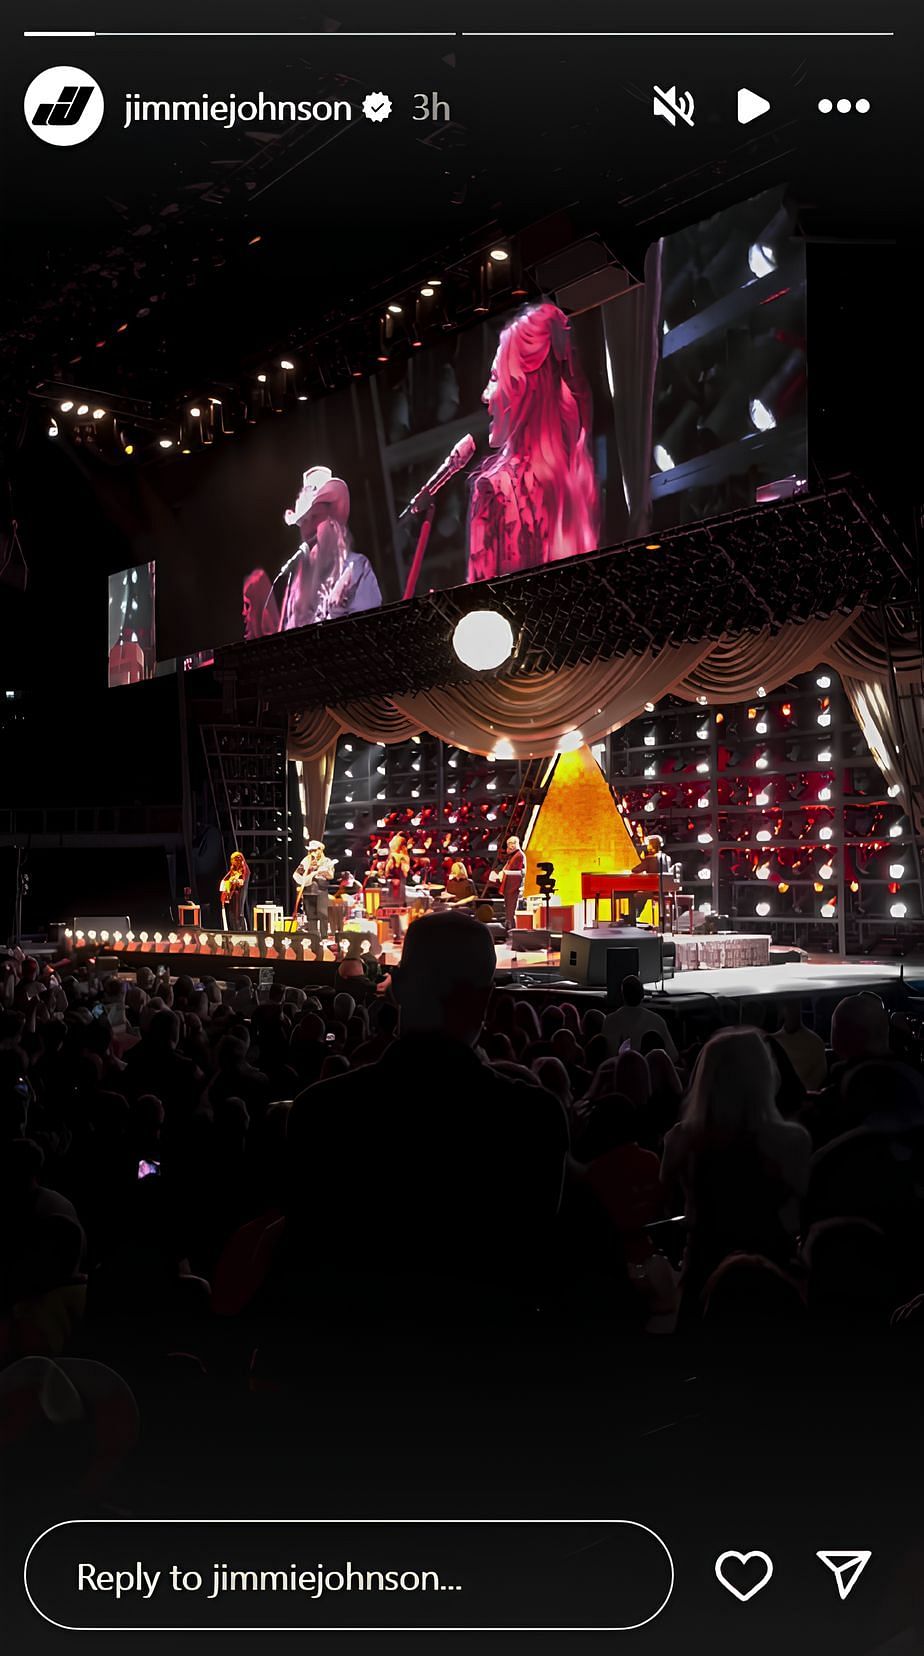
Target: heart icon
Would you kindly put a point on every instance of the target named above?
(744, 1559)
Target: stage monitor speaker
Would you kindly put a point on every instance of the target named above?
(584, 954)
(99, 923)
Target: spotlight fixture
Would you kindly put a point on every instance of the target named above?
(896, 871)
(826, 870)
(195, 412)
(483, 640)
(823, 681)
(499, 254)
(828, 911)
(99, 413)
(898, 910)
(426, 292)
(52, 427)
(66, 406)
(704, 874)
(824, 757)
(763, 909)
(82, 410)
(824, 794)
(762, 799)
(165, 442)
(895, 832)
(286, 365)
(396, 310)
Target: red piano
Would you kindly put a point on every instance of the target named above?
(623, 884)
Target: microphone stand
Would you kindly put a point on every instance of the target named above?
(422, 541)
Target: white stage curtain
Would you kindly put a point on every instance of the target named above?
(531, 716)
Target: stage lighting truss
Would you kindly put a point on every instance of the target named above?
(787, 562)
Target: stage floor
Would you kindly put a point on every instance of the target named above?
(535, 969)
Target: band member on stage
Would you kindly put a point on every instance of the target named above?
(397, 868)
(233, 891)
(655, 861)
(460, 888)
(313, 878)
(536, 499)
(511, 877)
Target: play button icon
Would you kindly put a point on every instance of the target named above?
(750, 105)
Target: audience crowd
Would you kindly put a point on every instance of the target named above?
(195, 1171)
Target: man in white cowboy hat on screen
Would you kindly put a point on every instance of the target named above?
(326, 578)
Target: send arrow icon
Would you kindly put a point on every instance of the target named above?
(847, 1568)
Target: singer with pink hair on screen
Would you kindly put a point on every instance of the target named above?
(536, 500)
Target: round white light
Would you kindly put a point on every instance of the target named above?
(499, 253)
(764, 835)
(761, 727)
(895, 832)
(704, 839)
(825, 871)
(898, 910)
(827, 911)
(824, 794)
(894, 790)
(823, 681)
(762, 798)
(763, 909)
(165, 442)
(650, 805)
(171, 937)
(825, 833)
(143, 936)
(702, 768)
(762, 762)
(704, 874)
(483, 640)
(158, 937)
(896, 871)
(763, 872)
(824, 719)
(203, 939)
(66, 407)
(824, 757)
(702, 804)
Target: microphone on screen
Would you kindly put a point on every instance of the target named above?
(456, 460)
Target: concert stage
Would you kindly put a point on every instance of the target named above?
(534, 972)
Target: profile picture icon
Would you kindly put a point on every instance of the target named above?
(64, 106)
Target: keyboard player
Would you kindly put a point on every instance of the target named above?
(655, 861)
